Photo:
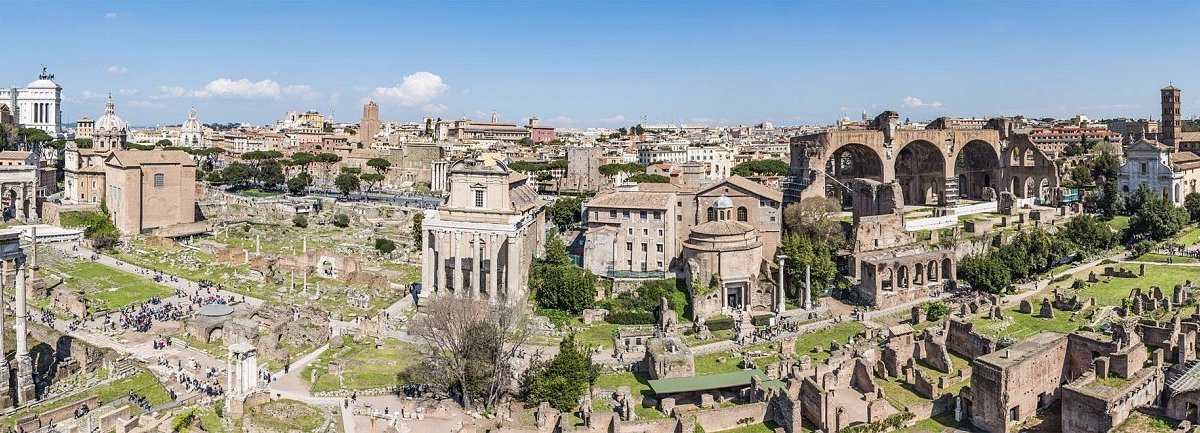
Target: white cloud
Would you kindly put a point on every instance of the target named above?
(239, 89)
(172, 91)
(137, 103)
(114, 69)
(110, 15)
(915, 102)
(127, 92)
(614, 120)
(466, 91)
(416, 89)
(88, 94)
(434, 108)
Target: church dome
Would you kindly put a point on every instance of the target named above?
(723, 202)
(110, 120)
(722, 236)
(192, 124)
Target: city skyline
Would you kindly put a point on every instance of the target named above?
(610, 65)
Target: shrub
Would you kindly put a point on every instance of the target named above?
(936, 310)
(719, 323)
(384, 245)
(341, 220)
(759, 320)
(300, 221)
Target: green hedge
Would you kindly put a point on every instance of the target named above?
(719, 324)
(760, 320)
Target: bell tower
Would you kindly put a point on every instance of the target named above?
(1172, 124)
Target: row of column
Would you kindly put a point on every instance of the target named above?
(42, 113)
(26, 389)
(451, 251)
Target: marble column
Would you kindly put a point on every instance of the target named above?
(807, 287)
(476, 264)
(456, 248)
(427, 270)
(439, 262)
(25, 386)
(780, 298)
(493, 266)
(511, 273)
(6, 398)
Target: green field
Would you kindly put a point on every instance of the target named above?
(106, 287)
(712, 362)
(143, 383)
(768, 427)
(363, 365)
(287, 415)
(1163, 258)
(1189, 237)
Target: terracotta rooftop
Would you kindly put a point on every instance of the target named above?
(722, 228)
(631, 200)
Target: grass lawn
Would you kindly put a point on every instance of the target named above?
(1119, 222)
(1018, 326)
(1110, 290)
(143, 383)
(762, 427)
(1189, 237)
(257, 192)
(106, 287)
(287, 415)
(1163, 258)
(710, 363)
(938, 424)
(900, 394)
(363, 365)
(1142, 423)
(598, 334)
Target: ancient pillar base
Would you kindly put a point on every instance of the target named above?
(26, 390)
(6, 397)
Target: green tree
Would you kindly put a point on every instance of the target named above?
(372, 179)
(1089, 233)
(300, 221)
(297, 184)
(1156, 218)
(33, 135)
(380, 165)
(341, 220)
(984, 273)
(328, 160)
(564, 379)
(935, 310)
(804, 251)
(767, 167)
(238, 174)
(384, 245)
(347, 183)
(649, 178)
(1081, 174)
(270, 174)
(351, 170)
(304, 160)
(559, 283)
(417, 230)
(566, 212)
(164, 143)
(1191, 202)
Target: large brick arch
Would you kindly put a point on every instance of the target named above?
(920, 168)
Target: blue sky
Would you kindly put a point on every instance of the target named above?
(579, 64)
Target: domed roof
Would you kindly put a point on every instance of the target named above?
(723, 202)
(110, 120)
(722, 228)
(215, 310)
(192, 123)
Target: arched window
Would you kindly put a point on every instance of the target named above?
(160, 180)
(712, 214)
(742, 214)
